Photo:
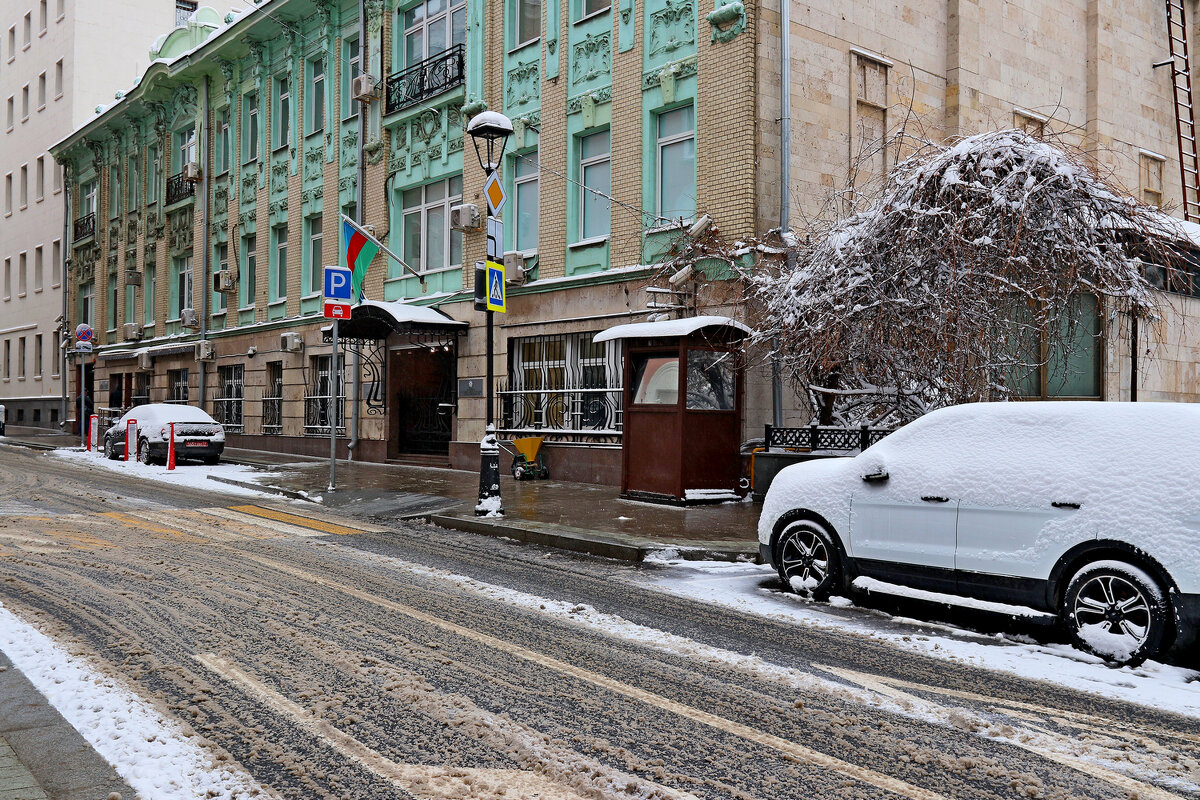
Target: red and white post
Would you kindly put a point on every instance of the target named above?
(93, 431)
(130, 434)
(171, 448)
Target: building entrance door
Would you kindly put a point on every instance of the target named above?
(422, 382)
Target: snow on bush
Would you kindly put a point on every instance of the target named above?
(971, 254)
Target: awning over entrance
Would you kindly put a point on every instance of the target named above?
(668, 328)
(376, 319)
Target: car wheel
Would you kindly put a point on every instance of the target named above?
(1116, 611)
(110, 450)
(808, 560)
(143, 452)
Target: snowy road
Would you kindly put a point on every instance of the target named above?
(303, 655)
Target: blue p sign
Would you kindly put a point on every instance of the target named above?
(337, 284)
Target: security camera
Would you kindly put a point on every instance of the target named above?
(680, 276)
(700, 226)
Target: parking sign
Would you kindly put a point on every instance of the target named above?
(337, 284)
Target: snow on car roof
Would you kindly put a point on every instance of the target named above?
(169, 412)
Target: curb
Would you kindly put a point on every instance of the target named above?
(259, 487)
(30, 445)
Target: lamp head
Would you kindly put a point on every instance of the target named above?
(489, 132)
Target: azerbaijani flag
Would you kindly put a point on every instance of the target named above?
(359, 249)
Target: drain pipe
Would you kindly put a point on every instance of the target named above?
(785, 194)
(206, 267)
(363, 110)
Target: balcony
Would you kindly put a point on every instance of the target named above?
(85, 227)
(429, 78)
(179, 189)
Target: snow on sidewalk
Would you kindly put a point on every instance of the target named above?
(153, 753)
(739, 586)
(187, 474)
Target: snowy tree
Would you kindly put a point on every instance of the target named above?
(961, 276)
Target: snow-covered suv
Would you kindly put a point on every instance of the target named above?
(197, 435)
(1088, 510)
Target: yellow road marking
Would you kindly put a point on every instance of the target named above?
(261, 522)
(1134, 788)
(433, 782)
(790, 749)
(140, 523)
(294, 519)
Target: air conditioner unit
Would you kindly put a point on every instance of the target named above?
(205, 350)
(291, 342)
(191, 172)
(133, 277)
(145, 362)
(514, 268)
(224, 281)
(465, 217)
(131, 331)
(364, 88)
(188, 318)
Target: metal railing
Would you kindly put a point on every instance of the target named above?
(85, 226)
(272, 416)
(426, 79)
(228, 412)
(317, 414)
(178, 188)
(578, 410)
(819, 437)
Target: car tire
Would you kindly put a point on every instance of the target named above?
(110, 450)
(143, 452)
(1117, 612)
(808, 560)
(211, 460)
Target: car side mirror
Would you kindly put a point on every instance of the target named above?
(879, 475)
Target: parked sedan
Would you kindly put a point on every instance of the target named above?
(197, 435)
(1088, 510)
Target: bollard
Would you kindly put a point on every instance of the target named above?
(93, 430)
(130, 427)
(171, 448)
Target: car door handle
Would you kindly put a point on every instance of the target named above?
(1060, 504)
(929, 498)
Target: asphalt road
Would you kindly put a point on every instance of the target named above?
(341, 658)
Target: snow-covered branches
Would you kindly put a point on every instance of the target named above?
(964, 275)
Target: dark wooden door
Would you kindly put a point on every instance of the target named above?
(422, 382)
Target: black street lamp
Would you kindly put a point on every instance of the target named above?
(489, 132)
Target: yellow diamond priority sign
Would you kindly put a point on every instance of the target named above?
(493, 190)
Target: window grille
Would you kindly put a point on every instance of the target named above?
(320, 404)
(272, 402)
(562, 383)
(227, 405)
(177, 385)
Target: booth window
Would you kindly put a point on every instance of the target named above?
(711, 380)
(655, 380)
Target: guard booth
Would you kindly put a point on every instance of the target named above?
(682, 415)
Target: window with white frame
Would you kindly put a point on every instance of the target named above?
(351, 69)
(154, 176)
(525, 201)
(315, 257)
(595, 177)
(527, 21)
(185, 146)
(220, 263)
(316, 95)
(249, 272)
(250, 127)
(113, 295)
(562, 382)
(432, 27)
(177, 384)
(149, 293)
(87, 305)
(222, 155)
(279, 258)
(429, 243)
(589, 7)
(676, 190)
(1151, 174)
(182, 280)
(283, 110)
(114, 191)
(88, 192)
(134, 187)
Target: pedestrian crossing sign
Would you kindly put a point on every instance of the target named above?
(496, 297)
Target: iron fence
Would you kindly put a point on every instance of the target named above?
(824, 437)
(85, 226)
(178, 188)
(425, 79)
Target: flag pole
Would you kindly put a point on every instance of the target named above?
(381, 246)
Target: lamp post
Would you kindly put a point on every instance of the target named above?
(489, 132)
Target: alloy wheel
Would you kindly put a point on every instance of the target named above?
(804, 556)
(1117, 606)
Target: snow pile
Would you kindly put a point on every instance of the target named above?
(152, 753)
(944, 284)
(187, 474)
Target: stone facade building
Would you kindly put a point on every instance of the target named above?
(631, 122)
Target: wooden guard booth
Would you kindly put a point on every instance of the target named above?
(681, 434)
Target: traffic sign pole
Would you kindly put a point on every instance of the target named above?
(335, 373)
(338, 283)
(489, 448)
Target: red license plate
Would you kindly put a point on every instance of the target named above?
(196, 444)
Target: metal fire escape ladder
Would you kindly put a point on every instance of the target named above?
(1185, 118)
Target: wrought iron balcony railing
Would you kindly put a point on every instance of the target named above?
(179, 189)
(85, 226)
(426, 79)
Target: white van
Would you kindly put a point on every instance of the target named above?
(1087, 510)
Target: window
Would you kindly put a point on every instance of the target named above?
(8, 279)
(7, 359)
(676, 190)
(429, 244)
(222, 144)
(61, 8)
(12, 120)
(25, 102)
(86, 304)
(279, 274)
(227, 405)
(58, 79)
(655, 380)
(39, 268)
(37, 356)
(28, 29)
(41, 91)
(326, 389)
(134, 185)
(220, 262)
(154, 174)
(8, 191)
(112, 301)
(56, 264)
(43, 14)
(130, 314)
(528, 22)
(589, 7)
(352, 60)
(316, 96)
(149, 293)
(177, 385)
(40, 179)
(283, 119)
(250, 130)
(249, 272)
(24, 185)
(1152, 178)
(432, 27)
(1063, 374)
(88, 191)
(315, 258)
(869, 129)
(114, 192)
(272, 411)
(564, 382)
(22, 274)
(183, 10)
(1032, 124)
(525, 201)
(21, 358)
(57, 172)
(185, 146)
(595, 172)
(12, 43)
(181, 295)
(55, 349)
